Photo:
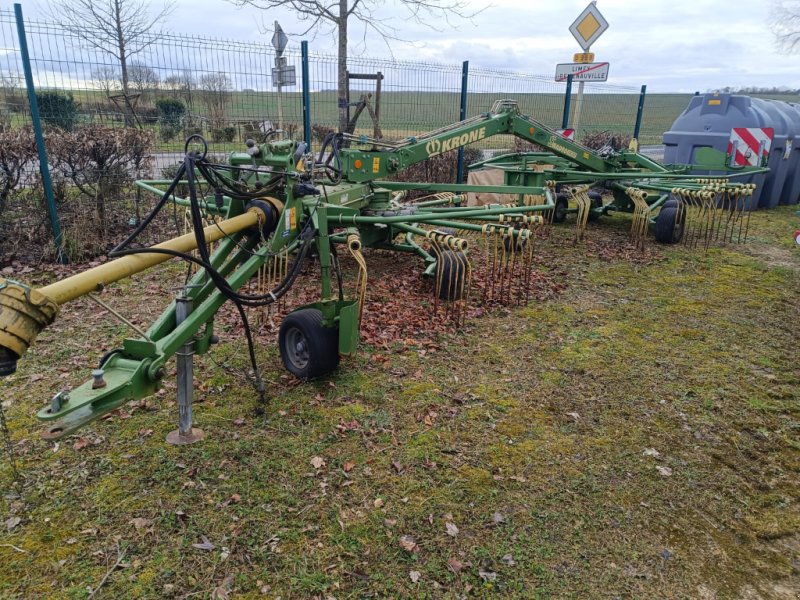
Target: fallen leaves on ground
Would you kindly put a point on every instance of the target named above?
(409, 544)
(205, 544)
(451, 529)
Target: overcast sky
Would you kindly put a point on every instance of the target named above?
(670, 45)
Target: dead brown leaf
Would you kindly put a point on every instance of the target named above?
(408, 544)
(140, 523)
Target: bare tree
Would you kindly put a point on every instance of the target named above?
(335, 15)
(107, 79)
(143, 79)
(215, 91)
(184, 85)
(785, 23)
(10, 85)
(118, 28)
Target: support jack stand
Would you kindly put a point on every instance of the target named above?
(185, 434)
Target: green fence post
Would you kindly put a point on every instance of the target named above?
(567, 101)
(306, 96)
(50, 198)
(462, 114)
(639, 113)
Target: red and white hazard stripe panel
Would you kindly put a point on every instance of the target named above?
(748, 145)
(567, 133)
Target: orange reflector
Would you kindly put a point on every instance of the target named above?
(532, 130)
(358, 164)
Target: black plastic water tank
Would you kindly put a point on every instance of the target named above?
(791, 190)
(707, 123)
(778, 166)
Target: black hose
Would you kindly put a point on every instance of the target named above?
(240, 300)
(152, 214)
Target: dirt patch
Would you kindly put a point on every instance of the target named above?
(776, 256)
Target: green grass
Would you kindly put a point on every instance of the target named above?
(405, 113)
(535, 450)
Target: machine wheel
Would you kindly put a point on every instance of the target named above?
(308, 349)
(672, 202)
(560, 211)
(668, 231)
(597, 202)
(451, 275)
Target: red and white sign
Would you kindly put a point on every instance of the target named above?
(566, 133)
(582, 71)
(748, 145)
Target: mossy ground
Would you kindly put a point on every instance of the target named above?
(635, 437)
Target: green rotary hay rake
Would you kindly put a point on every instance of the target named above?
(257, 220)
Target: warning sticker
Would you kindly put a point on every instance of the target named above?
(290, 219)
(376, 164)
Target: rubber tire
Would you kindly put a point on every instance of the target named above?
(667, 231)
(455, 262)
(671, 203)
(560, 211)
(597, 202)
(322, 344)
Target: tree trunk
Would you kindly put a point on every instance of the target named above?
(342, 64)
(127, 109)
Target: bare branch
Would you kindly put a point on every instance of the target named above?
(785, 24)
(118, 28)
(338, 14)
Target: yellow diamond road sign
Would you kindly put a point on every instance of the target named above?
(589, 26)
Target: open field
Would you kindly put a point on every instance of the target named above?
(633, 436)
(405, 113)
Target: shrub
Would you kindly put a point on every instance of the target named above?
(17, 155)
(319, 132)
(147, 115)
(291, 131)
(192, 126)
(100, 161)
(223, 134)
(439, 169)
(171, 112)
(58, 109)
(597, 140)
(521, 145)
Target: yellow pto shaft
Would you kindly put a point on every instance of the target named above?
(24, 312)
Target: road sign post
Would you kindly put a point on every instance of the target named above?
(279, 41)
(589, 26)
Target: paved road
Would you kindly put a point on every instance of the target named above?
(655, 151)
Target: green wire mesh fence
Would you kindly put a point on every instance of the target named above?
(106, 125)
